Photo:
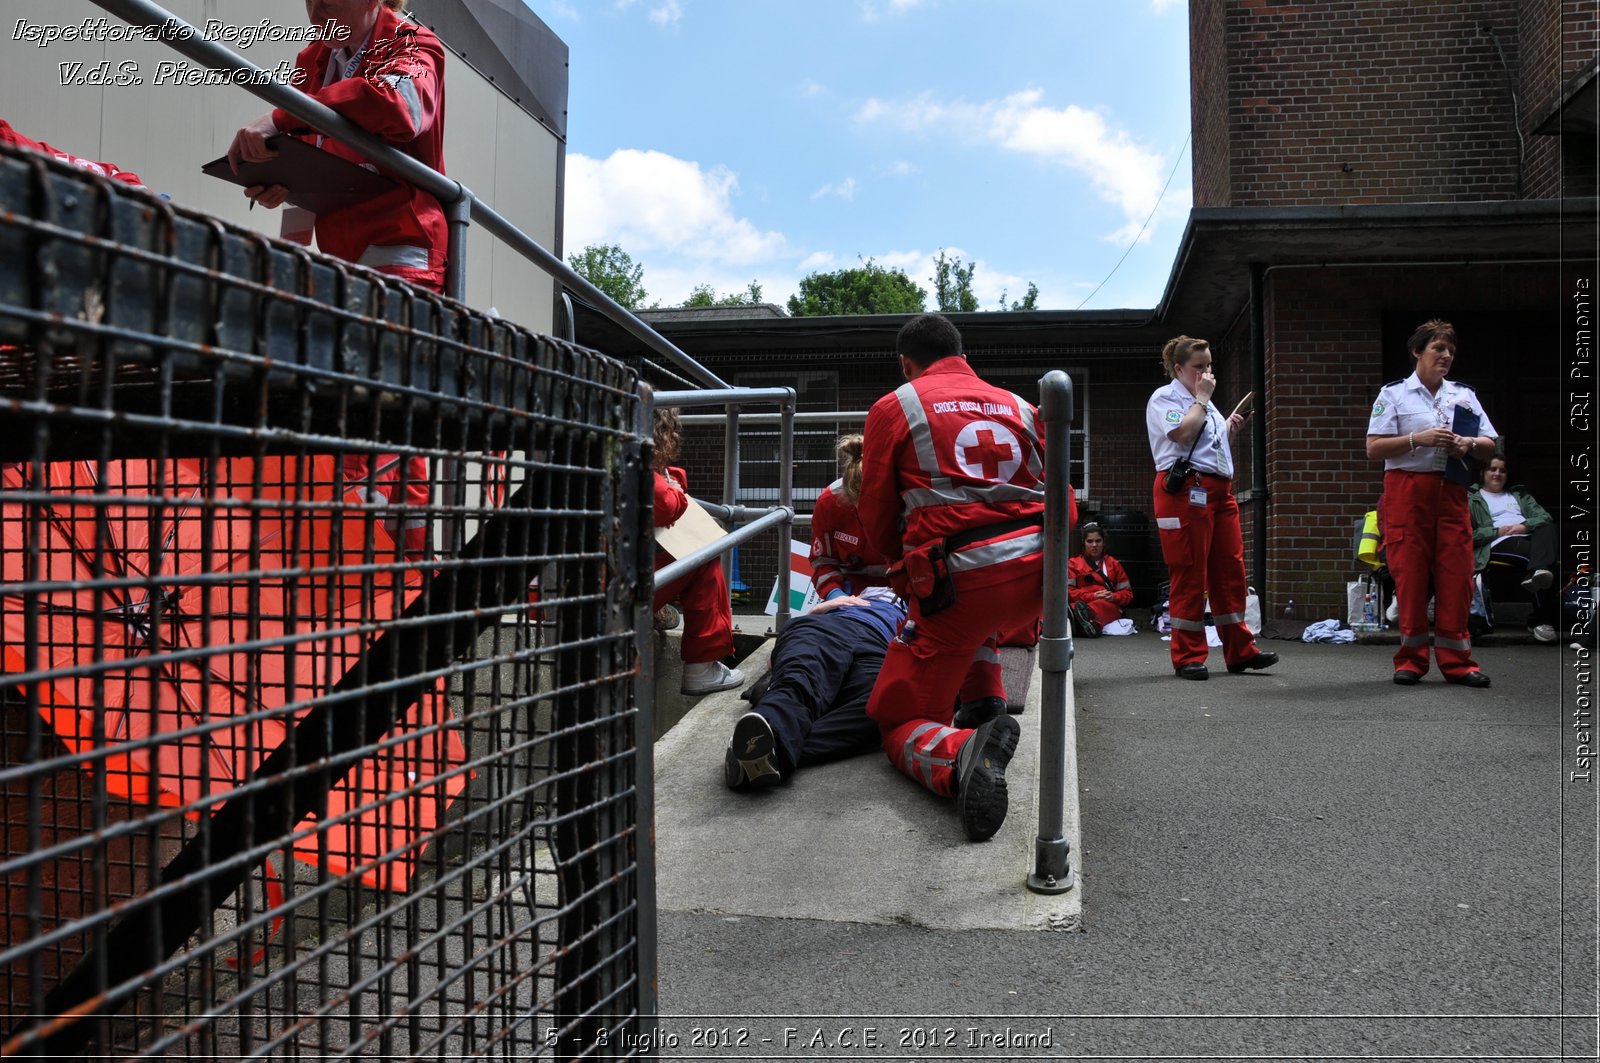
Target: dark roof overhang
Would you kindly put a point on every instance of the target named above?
(1210, 281)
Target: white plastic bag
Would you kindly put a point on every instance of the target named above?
(1252, 610)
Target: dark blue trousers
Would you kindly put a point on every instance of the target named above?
(823, 668)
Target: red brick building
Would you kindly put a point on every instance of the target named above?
(1359, 167)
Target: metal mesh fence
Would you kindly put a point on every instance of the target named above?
(320, 681)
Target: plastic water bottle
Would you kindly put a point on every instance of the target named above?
(1369, 619)
(1288, 610)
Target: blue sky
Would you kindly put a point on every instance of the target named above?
(725, 141)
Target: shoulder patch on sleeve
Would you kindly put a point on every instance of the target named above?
(1174, 416)
(1378, 408)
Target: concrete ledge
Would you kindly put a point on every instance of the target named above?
(852, 841)
(671, 704)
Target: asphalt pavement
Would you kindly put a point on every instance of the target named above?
(1305, 862)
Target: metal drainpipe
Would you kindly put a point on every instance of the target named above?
(1258, 430)
(1052, 869)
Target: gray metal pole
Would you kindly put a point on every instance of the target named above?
(786, 500)
(644, 694)
(730, 480)
(1052, 870)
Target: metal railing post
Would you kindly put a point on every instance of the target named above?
(1052, 870)
(458, 215)
(786, 500)
(730, 481)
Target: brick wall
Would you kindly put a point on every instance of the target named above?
(1372, 101)
(1208, 103)
(1559, 41)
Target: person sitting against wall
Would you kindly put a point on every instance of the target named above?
(811, 707)
(1097, 587)
(703, 594)
(1510, 528)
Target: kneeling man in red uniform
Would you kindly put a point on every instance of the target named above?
(952, 493)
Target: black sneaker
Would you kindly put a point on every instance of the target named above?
(748, 762)
(1083, 621)
(981, 799)
(977, 713)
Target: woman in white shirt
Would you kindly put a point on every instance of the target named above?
(1197, 514)
(1423, 428)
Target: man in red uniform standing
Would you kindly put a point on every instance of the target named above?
(385, 74)
(952, 490)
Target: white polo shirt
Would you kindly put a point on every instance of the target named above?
(1406, 406)
(1161, 415)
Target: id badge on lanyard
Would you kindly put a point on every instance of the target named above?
(1197, 496)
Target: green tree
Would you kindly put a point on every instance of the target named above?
(952, 284)
(612, 270)
(865, 289)
(705, 295)
(1027, 302)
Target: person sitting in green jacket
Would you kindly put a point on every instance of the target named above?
(1509, 527)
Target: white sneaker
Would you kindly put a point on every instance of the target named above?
(708, 677)
(1544, 633)
(1539, 580)
(1392, 614)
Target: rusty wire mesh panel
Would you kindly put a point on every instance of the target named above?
(319, 600)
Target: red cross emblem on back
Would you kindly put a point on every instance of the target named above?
(987, 453)
(988, 450)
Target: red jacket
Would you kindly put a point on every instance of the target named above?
(948, 453)
(104, 169)
(671, 497)
(1084, 582)
(397, 93)
(841, 557)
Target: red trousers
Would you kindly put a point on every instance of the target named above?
(707, 614)
(1204, 552)
(1427, 539)
(1105, 610)
(931, 657)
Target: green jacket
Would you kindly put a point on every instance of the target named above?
(1483, 529)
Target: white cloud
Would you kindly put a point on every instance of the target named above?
(898, 168)
(871, 9)
(1161, 7)
(845, 189)
(667, 14)
(1122, 171)
(818, 261)
(649, 201)
(810, 89)
(563, 9)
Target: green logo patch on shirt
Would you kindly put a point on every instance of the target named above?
(1174, 416)
(1377, 409)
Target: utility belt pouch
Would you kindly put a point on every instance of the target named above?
(1176, 478)
(924, 574)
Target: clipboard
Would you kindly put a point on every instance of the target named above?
(317, 180)
(1463, 470)
(695, 529)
